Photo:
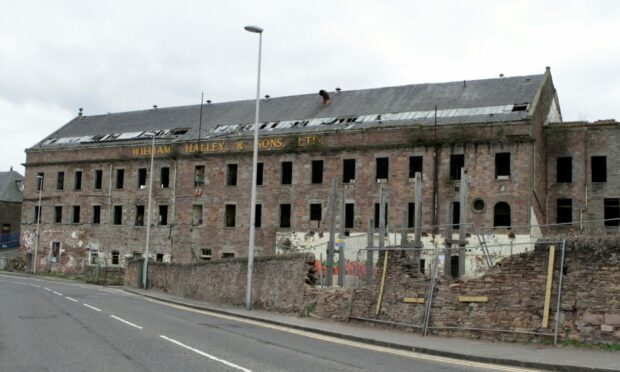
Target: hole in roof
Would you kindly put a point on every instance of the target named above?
(519, 107)
(179, 131)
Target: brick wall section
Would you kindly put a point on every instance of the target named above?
(515, 288)
(10, 213)
(279, 282)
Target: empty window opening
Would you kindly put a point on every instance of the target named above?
(231, 174)
(454, 266)
(478, 205)
(287, 172)
(77, 181)
(456, 215)
(315, 215)
(259, 174)
(231, 211)
(159, 257)
(118, 215)
(120, 178)
(40, 180)
(519, 107)
(37, 214)
(197, 214)
(599, 168)
(422, 265)
(383, 168)
(75, 217)
(94, 257)
(415, 165)
(502, 165)
(285, 215)
(228, 255)
(565, 169)
(60, 181)
(205, 254)
(98, 184)
(139, 215)
(564, 211)
(457, 161)
(58, 214)
(136, 255)
(349, 215)
(164, 177)
(115, 257)
(317, 171)
(501, 214)
(162, 218)
(55, 251)
(96, 214)
(385, 215)
(348, 171)
(199, 175)
(142, 178)
(612, 212)
(258, 215)
(411, 215)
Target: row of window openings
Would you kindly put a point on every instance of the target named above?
(611, 211)
(164, 177)
(94, 255)
(117, 217)
(564, 169)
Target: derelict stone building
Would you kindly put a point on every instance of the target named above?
(506, 132)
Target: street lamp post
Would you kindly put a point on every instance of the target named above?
(36, 242)
(248, 295)
(148, 220)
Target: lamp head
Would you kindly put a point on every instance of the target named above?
(254, 29)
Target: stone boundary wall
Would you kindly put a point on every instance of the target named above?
(515, 288)
(279, 282)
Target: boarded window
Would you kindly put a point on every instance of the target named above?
(456, 214)
(96, 214)
(94, 257)
(415, 165)
(259, 174)
(564, 211)
(139, 215)
(348, 171)
(228, 255)
(383, 168)
(457, 161)
(98, 184)
(115, 257)
(58, 214)
(197, 214)
(75, 218)
(258, 218)
(501, 214)
(118, 215)
(55, 251)
(199, 175)
(612, 212)
(287, 172)
(142, 178)
(285, 215)
(502, 165)
(385, 214)
(564, 169)
(231, 174)
(120, 178)
(77, 180)
(599, 168)
(317, 171)
(60, 181)
(349, 215)
(162, 218)
(231, 211)
(164, 177)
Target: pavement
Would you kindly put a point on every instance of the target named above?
(546, 357)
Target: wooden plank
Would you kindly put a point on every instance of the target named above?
(380, 298)
(413, 300)
(545, 321)
(473, 299)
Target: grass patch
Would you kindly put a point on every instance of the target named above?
(609, 346)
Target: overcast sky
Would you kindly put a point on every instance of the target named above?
(111, 56)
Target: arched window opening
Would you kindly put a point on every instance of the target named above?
(501, 214)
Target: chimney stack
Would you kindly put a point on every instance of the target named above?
(325, 96)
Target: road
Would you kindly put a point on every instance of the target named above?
(48, 325)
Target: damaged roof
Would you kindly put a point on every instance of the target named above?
(476, 101)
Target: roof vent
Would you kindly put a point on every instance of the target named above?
(338, 90)
(208, 102)
(267, 96)
(80, 111)
(501, 76)
(154, 107)
(325, 96)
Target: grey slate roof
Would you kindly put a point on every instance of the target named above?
(486, 93)
(9, 190)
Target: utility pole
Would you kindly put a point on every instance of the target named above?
(369, 251)
(341, 259)
(148, 221)
(332, 234)
(462, 221)
(418, 218)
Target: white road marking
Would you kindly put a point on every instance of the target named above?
(35, 285)
(126, 322)
(58, 293)
(205, 354)
(106, 290)
(71, 299)
(91, 307)
(47, 289)
(360, 345)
